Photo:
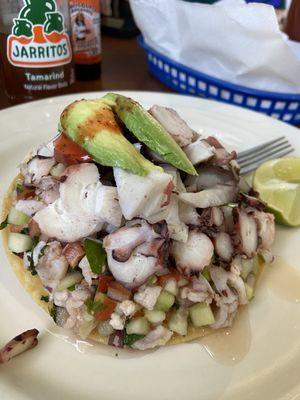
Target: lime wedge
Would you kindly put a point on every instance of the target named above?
(278, 184)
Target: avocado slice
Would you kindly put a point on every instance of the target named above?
(92, 125)
(149, 131)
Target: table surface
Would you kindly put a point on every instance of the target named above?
(124, 67)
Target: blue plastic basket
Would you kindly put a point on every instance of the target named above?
(283, 106)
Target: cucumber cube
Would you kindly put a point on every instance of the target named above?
(138, 326)
(201, 314)
(18, 243)
(171, 287)
(69, 280)
(17, 217)
(155, 316)
(165, 301)
(182, 282)
(178, 322)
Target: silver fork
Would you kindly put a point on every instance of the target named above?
(251, 159)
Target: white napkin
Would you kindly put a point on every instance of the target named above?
(231, 40)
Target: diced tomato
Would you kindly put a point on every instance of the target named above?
(118, 292)
(106, 312)
(138, 313)
(73, 253)
(173, 274)
(104, 281)
(68, 152)
(26, 194)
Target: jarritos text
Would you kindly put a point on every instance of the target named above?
(38, 38)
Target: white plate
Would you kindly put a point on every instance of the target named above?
(61, 368)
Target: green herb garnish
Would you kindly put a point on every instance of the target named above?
(4, 223)
(31, 267)
(89, 304)
(95, 254)
(98, 306)
(45, 298)
(53, 312)
(35, 241)
(130, 339)
(42, 252)
(25, 231)
(93, 307)
(19, 187)
(71, 288)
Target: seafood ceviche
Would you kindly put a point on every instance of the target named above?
(139, 229)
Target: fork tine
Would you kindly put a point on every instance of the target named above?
(265, 148)
(251, 167)
(267, 154)
(260, 146)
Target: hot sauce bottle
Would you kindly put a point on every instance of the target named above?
(36, 54)
(85, 20)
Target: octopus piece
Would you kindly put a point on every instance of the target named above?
(208, 177)
(157, 337)
(193, 255)
(142, 196)
(212, 216)
(29, 207)
(176, 227)
(228, 218)
(226, 281)
(52, 266)
(223, 246)
(252, 202)
(188, 214)
(225, 313)
(147, 296)
(216, 196)
(136, 251)
(231, 292)
(23, 342)
(174, 124)
(222, 157)
(47, 149)
(87, 273)
(36, 169)
(199, 291)
(266, 229)
(82, 208)
(107, 205)
(246, 232)
(199, 151)
(48, 189)
(73, 253)
(123, 241)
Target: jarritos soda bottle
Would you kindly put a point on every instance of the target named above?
(36, 54)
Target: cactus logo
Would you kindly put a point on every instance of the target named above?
(38, 38)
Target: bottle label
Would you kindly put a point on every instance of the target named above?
(38, 38)
(85, 20)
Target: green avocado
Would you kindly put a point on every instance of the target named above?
(149, 131)
(92, 125)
